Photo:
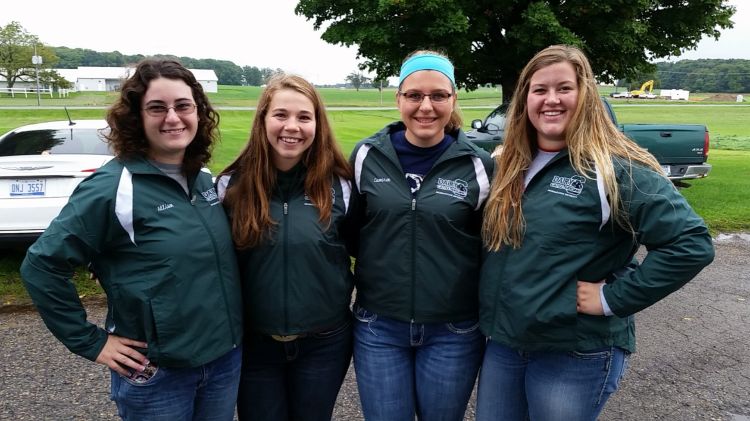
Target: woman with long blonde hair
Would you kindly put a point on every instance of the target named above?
(572, 200)
(287, 195)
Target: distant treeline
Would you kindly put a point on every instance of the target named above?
(705, 75)
(227, 72)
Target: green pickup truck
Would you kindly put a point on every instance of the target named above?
(681, 149)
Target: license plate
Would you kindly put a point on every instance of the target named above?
(22, 188)
(667, 169)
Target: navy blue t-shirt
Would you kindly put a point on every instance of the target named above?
(416, 161)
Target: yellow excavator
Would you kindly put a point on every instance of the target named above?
(645, 91)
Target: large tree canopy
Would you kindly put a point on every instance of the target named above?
(16, 50)
(490, 41)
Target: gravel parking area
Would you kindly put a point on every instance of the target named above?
(693, 359)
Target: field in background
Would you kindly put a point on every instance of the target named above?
(247, 96)
(721, 199)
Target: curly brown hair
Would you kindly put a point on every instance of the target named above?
(127, 136)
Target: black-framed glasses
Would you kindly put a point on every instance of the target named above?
(418, 97)
(161, 110)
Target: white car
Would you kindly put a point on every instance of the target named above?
(40, 165)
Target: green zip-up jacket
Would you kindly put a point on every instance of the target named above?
(299, 280)
(165, 260)
(528, 294)
(418, 257)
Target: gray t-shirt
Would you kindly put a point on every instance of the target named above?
(174, 171)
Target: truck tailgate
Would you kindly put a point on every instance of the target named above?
(671, 144)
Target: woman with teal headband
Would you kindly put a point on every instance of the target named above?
(417, 205)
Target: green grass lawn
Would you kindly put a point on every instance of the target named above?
(247, 96)
(722, 198)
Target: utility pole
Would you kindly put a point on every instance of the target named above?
(37, 60)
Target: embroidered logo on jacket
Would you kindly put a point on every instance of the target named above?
(381, 180)
(455, 188)
(568, 186)
(210, 196)
(309, 202)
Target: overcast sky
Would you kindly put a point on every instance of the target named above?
(263, 33)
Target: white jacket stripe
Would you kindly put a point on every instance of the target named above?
(221, 186)
(602, 198)
(346, 192)
(124, 203)
(358, 162)
(482, 179)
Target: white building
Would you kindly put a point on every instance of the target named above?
(102, 79)
(680, 94)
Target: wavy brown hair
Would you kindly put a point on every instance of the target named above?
(249, 196)
(455, 122)
(591, 137)
(125, 120)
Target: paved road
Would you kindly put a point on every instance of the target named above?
(693, 359)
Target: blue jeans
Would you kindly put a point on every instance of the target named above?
(547, 386)
(201, 393)
(295, 380)
(406, 368)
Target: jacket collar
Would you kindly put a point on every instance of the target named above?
(382, 142)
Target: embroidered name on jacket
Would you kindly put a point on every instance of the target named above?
(455, 188)
(567, 186)
(164, 206)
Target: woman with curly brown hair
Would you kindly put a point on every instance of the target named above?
(151, 224)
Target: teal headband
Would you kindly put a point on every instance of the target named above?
(427, 62)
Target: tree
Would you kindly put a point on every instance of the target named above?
(357, 79)
(267, 73)
(54, 79)
(380, 83)
(252, 76)
(489, 41)
(16, 50)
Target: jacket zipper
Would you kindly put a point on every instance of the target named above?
(286, 265)
(219, 271)
(414, 255)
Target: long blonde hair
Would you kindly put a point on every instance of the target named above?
(249, 197)
(591, 137)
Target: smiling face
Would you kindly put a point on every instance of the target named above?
(290, 127)
(425, 121)
(551, 102)
(168, 135)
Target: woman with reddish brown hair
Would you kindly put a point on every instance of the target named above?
(287, 195)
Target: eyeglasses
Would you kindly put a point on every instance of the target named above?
(161, 110)
(418, 97)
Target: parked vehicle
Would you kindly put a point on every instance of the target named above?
(681, 149)
(40, 165)
(646, 90)
(623, 94)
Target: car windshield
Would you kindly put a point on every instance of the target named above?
(55, 142)
(495, 122)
